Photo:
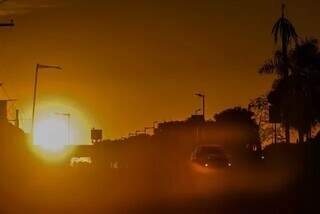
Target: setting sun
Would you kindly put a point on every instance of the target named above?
(58, 126)
(51, 134)
(59, 121)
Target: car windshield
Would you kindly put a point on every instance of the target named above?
(209, 150)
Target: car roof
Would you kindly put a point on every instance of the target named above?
(209, 145)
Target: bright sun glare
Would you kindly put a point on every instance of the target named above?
(51, 134)
(51, 138)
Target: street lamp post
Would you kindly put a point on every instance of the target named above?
(67, 115)
(203, 103)
(38, 67)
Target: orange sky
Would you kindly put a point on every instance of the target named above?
(129, 63)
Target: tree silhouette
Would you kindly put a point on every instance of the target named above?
(279, 63)
(305, 78)
(240, 119)
(286, 31)
(260, 107)
(297, 96)
(234, 115)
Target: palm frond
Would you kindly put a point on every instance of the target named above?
(275, 30)
(268, 67)
(285, 30)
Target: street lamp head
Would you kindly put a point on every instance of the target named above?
(40, 66)
(199, 95)
(57, 67)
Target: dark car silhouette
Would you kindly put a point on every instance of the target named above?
(210, 156)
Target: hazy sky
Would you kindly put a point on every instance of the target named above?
(129, 63)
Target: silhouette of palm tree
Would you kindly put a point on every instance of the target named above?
(305, 59)
(279, 64)
(286, 31)
(297, 95)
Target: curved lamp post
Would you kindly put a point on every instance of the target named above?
(203, 103)
(38, 67)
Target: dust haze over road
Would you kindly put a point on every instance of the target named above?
(158, 187)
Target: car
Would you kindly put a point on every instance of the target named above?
(210, 156)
